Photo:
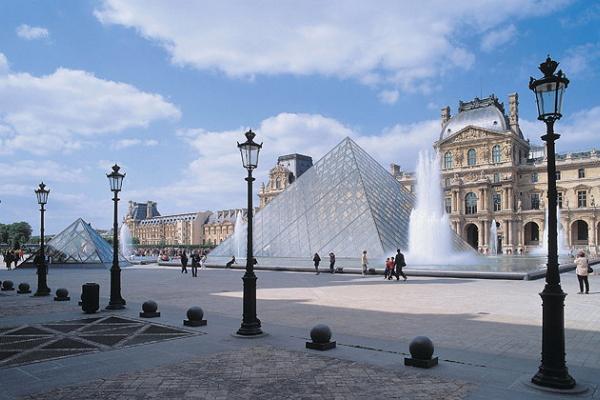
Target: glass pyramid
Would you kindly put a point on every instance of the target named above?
(79, 243)
(347, 202)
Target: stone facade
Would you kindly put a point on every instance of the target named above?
(489, 171)
(150, 228)
(221, 225)
(289, 168)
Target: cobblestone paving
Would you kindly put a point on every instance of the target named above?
(266, 373)
(14, 304)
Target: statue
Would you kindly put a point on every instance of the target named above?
(519, 205)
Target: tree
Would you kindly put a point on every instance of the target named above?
(18, 232)
(3, 233)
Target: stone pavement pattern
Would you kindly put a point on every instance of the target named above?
(267, 373)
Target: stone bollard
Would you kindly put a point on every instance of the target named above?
(149, 309)
(321, 338)
(421, 350)
(24, 288)
(62, 294)
(8, 285)
(195, 315)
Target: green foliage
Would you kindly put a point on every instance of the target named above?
(15, 234)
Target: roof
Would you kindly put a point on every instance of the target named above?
(485, 113)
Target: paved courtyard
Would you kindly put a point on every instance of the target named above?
(486, 332)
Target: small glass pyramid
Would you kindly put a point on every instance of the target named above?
(79, 243)
(345, 203)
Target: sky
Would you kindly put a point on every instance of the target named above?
(166, 89)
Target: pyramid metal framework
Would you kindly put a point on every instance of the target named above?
(347, 202)
(79, 243)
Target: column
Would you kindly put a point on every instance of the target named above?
(486, 232)
(510, 235)
(480, 235)
(510, 199)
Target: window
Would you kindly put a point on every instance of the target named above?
(448, 204)
(497, 200)
(448, 160)
(277, 183)
(581, 172)
(559, 199)
(471, 203)
(496, 154)
(535, 201)
(471, 157)
(534, 177)
(558, 175)
(447, 182)
(581, 198)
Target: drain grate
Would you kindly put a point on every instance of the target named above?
(63, 328)
(26, 344)
(104, 339)
(68, 343)
(21, 345)
(29, 330)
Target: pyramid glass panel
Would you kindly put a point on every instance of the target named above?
(347, 202)
(79, 243)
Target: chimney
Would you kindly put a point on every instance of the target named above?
(513, 112)
(149, 209)
(395, 169)
(445, 115)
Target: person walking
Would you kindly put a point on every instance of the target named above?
(400, 263)
(387, 270)
(202, 261)
(316, 260)
(331, 262)
(184, 262)
(230, 262)
(8, 259)
(582, 271)
(195, 262)
(364, 262)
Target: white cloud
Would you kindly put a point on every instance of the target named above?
(215, 178)
(498, 37)
(582, 60)
(399, 44)
(69, 108)
(27, 32)
(389, 96)
(3, 64)
(125, 143)
(41, 170)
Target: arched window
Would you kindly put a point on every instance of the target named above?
(496, 154)
(470, 203)
(471, 157)
(278, 183)
(448, 160)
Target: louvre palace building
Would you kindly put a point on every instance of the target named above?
(491, 172)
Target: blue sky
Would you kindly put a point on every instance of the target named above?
(166, 88)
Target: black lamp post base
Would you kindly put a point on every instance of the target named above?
(251, 329)
(42, 292)
(554, 379)
(116, 305)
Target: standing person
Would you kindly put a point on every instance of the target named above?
(364, 261)
(202, 261)
(184, 261)
(400, 263)
(195, 261)
(331, 262)
(317, 260)
(21, 254)
(230, 262)
(582, 272)
(8, 259)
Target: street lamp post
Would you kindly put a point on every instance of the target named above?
(116, 301)
(553, 370)
(42, 268)
(250, 323)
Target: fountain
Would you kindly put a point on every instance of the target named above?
(429, 223)
(563, 249)
(125, 241)
(493, 241)
(239, 236)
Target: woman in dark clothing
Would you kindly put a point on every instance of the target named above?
(195, 262)
(331, 262)
(317, 260)
(184, 261)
